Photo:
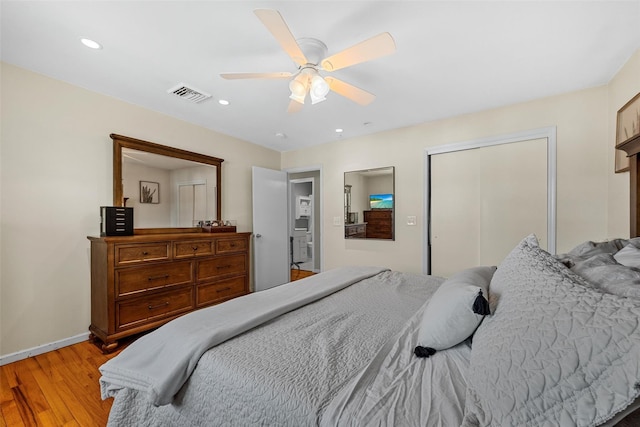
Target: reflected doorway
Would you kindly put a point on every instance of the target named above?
(192, 204)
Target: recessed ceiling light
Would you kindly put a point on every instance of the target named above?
(339, 130)
(281, 135)
(91, 44)
(223, 102)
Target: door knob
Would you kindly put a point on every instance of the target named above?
(258, 236)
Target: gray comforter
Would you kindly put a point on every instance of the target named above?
(159, 363)
(287, 370)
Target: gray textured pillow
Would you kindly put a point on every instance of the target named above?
(605, 273)
(588, 249)
(628, 256)
(554, 352)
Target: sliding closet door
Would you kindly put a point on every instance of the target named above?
(484, 201)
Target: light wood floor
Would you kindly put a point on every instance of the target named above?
(60, 388)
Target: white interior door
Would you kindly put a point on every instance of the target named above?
(271, 241)
(185, 206)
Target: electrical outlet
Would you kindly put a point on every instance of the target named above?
(411, 220)
(337, 221)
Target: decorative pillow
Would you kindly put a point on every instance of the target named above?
(588, 249)
(629, 256)
(605, 273)
(554, 352)
(454, 311)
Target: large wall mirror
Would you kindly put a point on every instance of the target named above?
(369, 201)
(167, 187)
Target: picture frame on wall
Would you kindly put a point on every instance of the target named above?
(627, 129)
(149, 192)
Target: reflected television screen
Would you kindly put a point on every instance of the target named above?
(381, 201)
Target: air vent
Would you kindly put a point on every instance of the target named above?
(189, 93)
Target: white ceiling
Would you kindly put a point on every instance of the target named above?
(452, 57)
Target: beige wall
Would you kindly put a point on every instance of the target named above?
(55, 173)
(591, 202)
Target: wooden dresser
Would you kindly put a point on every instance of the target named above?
(379, 223)
(143, 281)
(355, 231)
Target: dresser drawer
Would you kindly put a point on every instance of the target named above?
(192, 248)
(153, 307)
(142, 252)
(212, 268)
(224, 246)
(139, 279)
(218, 291)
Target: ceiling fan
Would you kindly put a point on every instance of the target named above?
(311, 57)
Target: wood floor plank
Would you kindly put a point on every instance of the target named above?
(26, 414)
(60, 411)
(83, 398)
(10, 414)
(27, 395)
(58, 388)
(300, 274)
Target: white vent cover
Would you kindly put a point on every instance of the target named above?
(189, 93)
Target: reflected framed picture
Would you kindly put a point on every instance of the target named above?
(149, 192)
(627, 128)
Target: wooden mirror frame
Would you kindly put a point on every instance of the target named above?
(120, 142)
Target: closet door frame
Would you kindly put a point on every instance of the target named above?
(548, 133)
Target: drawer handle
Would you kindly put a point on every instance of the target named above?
(224, 289)
(195, 248)
(150, 278)
(233, 245)
(220, 267)
(153, 307)
(145, 253)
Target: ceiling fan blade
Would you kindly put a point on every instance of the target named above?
(294, 107)
(235, 76)
(372, 48)
(355, 94)
(276, 26)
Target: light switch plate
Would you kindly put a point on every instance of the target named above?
(336, 221)
(411, 220)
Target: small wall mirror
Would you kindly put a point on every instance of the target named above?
(166, 186)
(369, 202)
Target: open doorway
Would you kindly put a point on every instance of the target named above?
(304, 224)
(274, 223)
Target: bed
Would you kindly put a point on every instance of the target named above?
(540, 340)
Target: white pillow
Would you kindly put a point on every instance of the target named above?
(449, 317)
(628, 256)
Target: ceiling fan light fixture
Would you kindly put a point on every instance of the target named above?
(315, 99)
(298, 86)
(319, 87)
(297, 98)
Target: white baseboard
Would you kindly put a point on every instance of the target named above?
(34, 351)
